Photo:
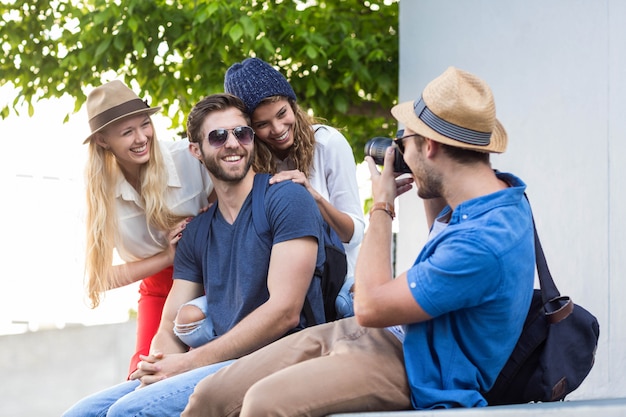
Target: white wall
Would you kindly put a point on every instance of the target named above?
(556, 69)
(46, 372)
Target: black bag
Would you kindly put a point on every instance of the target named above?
(335, 266)
(333, 275)
(555, 351)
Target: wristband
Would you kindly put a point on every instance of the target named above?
(384, 206)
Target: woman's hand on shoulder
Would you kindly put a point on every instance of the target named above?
(203, 209)
(174, 236)
(296, 176)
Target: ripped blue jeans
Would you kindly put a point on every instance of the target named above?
(199, 332)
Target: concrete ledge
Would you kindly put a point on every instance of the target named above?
(615, 407)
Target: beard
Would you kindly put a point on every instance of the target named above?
(429, 183)
(216, 169)
(431, 188)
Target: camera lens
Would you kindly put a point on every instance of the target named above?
(376, 148)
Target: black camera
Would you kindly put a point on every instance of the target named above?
(376, 148)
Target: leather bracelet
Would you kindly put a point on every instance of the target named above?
(384, 206)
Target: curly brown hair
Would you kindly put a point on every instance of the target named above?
(303, 148)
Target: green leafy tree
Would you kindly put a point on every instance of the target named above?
(341, 56)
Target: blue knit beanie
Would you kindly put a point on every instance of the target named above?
(254, 80)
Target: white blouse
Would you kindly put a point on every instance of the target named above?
(188, 189)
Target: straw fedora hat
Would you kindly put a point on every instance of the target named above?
(111, 102)
(457, 108)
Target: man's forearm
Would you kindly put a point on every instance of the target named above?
(260, 328)
(373, 266)
(165, 341)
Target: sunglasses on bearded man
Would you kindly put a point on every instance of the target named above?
(218, 137)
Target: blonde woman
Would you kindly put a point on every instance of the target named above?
(141, 193)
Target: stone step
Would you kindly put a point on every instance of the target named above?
(614, 407)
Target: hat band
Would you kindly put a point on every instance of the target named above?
(116, 112)
(443, 127)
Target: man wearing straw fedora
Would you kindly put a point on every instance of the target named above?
(437, 335)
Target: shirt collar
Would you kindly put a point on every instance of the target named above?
(475, 207)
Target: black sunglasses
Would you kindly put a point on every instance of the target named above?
(399, 140)
(218, 137)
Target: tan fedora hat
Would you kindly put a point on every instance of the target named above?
(111, 102)
(457, 108)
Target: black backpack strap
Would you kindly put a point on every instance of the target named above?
(308, 312)
(548, 287)
(201, 250)
(556, 307)
(259, 215)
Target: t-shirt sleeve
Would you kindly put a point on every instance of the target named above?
(189, 250)
(292, 213)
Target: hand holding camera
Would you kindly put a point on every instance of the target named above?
(390, 183)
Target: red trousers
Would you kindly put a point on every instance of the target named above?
(153, 291)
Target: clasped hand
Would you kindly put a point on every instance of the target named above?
(158, 366)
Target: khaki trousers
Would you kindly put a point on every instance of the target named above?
(330, 368)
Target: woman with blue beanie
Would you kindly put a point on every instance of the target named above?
(292, 146)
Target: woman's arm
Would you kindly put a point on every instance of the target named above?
(130, 272)
(337, 219)
(335, 173)
(342, 209)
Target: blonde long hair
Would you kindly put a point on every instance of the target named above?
(303, 148)
(102, 174)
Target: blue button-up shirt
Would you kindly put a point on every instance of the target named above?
(475, 278)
